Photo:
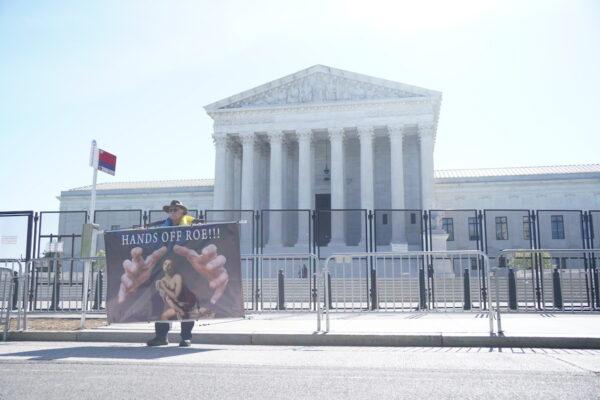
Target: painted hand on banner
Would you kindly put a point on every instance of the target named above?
(210, 265)
(138, 270)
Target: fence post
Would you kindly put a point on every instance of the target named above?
(374, 302)
(467, 289)
(15, 292)
(596, 282)
(98, 297)
(512, 290)
(422, 290)
(56, 285)
(280, 291)
(329, 291)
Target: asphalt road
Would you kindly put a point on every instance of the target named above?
(34, 370)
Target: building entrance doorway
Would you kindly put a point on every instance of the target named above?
(323, 225)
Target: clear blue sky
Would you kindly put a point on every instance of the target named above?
(520, 79)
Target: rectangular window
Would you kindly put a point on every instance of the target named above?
(384, 219)
(501, 228)
(473, 235)
(413, 218)
(526, 228)
(558, 227)
(448, 227)
(114, 227)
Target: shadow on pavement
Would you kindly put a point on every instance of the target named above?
(107, 352)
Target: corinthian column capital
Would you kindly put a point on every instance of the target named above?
(304, 135)
(336, 134)
(365, 132)
(275, 136)
(219, 139)
(247, 138)
(396, 133)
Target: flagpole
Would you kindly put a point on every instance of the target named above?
(87, 265)
(94, 165)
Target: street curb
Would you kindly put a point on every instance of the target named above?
(318, 339)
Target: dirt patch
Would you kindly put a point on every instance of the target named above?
(58, 324)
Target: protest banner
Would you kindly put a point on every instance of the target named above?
(174, 273)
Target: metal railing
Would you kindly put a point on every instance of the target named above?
(446, 281)
(79, 291)
(277, 282)
(546, 280)
(12, 294)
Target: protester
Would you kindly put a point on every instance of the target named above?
(177, 213)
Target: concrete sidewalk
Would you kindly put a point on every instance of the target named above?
(547, 330)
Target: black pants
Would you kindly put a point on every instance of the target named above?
(162, 328)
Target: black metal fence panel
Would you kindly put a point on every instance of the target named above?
(285, 231)
(453, 230)
(248, 226)
(16, 234)
(507, 229)
(60, 226)
(397, 230)
(559, 229)
(341, 231)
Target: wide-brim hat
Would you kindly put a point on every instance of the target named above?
(175, 203)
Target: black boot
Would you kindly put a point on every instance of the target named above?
(157, 341)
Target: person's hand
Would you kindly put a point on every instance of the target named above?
(210, 265)
(138, 270)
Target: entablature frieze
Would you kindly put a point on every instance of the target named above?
(325, 112)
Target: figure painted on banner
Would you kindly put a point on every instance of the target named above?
(208, 263)
(179, 300)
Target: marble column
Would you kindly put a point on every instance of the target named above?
(275, 187)
(336, 136)
(396, 136)
(247, 194)
(366, 168)
(230, 168)
(304, 184)
(426, 139)
(221, 172)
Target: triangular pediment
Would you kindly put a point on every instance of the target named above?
(321, 84)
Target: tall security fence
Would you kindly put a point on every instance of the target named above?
(27, 234)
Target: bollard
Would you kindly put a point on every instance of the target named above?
(329, 291)
(54, 306)
(280, 291)
(596, 280)
(422, 290)
(15, 292)
(467, 289)
(374, 302)
(98, 296)
(512, 290)
(556, 289)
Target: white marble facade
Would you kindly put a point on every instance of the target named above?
(276, 143)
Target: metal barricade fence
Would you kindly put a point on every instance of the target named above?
(280, 282)
(13, 297)
(269, 283)
(446, 281)
(54, 291)
(557, 280)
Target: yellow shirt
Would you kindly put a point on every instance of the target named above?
(186, 220)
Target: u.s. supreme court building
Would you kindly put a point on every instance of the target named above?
(335, 160)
